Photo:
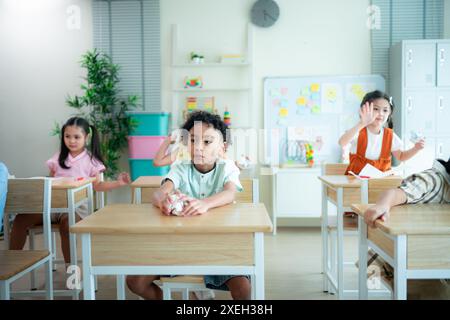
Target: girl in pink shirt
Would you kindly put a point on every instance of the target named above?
(73, 160)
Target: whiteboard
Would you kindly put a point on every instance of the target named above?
(318, 109)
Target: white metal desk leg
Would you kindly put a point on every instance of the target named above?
(340, 243)
(88, 278)
(4, 290)
(324, 230)
(259, 265)
(363, 248)
(252, 283)
(90, 198)
(120, 286)
(400, 284)
(72, 236)
(274, 203)
(137, 196)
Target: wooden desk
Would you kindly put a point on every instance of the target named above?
(342, 191)
(415, 241)
(126, 239)
(143, 188)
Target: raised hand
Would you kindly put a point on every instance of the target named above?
(419, 145)
(367, 115)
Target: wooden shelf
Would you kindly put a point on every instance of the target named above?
(211, 65)
(210, 89)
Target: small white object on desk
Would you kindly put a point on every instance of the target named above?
(177, 205)
(370, 171)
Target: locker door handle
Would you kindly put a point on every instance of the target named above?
(409, 105)
(410, 60)
(442, 56)
(440, 149)
(441, 103)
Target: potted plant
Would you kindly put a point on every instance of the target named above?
(103, 107)
(197, 58)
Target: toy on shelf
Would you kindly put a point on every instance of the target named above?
(309, 154)
(199, 103)
(298, 153)
(232, 58)
(227, 117)
(193, 82)
(197, 58)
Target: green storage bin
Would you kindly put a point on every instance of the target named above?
(144, 167)
(150, 123)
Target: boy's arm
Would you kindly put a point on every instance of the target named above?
(386, 201)
(219, 199)
(160, 198)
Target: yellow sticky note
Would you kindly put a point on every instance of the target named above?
(301, 101)
(283, 112)
(331, 94)
(315, 87)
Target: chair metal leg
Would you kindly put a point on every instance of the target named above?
(185, 294)
(33, 285)
(166, 292)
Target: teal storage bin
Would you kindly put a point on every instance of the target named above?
(150, 123)
(144, 167)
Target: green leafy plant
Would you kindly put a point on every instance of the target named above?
(104, 108)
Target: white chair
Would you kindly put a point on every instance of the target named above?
(196, 283)
(27, 196)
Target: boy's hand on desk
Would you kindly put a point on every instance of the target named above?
(124, 179)
(194, 207)
(166, 206)
(376, 212)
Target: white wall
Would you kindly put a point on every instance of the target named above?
(38, 67)
(447, 19)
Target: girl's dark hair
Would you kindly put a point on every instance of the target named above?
(210, 119)
(87, 128)
(377, 94)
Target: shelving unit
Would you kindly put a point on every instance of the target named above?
(217, 83)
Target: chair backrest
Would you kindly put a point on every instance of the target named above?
(27, 195)
(250, 194)
(332, 169)
(378, 186)
(30, 196)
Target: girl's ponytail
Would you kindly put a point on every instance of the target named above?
(96, 151)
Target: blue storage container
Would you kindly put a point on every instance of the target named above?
(144, 167)
(150, 123)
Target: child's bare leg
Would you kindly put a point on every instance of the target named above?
(240, 288)
(386, 201)
(64, 233)
(20, 227)
(143, 286)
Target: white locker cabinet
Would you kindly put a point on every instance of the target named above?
(420, 64)
(443, 148)
(443, 64)
(420, 86)
(443, 112)
(420, 113)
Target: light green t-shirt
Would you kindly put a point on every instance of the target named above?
(196, 184)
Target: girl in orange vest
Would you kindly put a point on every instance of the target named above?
(372, 140)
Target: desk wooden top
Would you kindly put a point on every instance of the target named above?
(147, 182)
(145, 219)
(70, 183)
(348, 181)
(338, 181)
(413, 219)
